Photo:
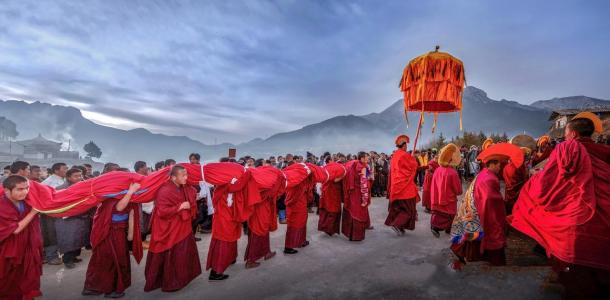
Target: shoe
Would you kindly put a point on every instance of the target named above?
(197, 239)
(114, 295)
(283, 221)
(310, 210)
(290, 251)
(69, 265)
(270, 255)
(87, 292)
(77, 260)
(252, 265)
(56, 261)
(370, 228)
(206, 231)
(396, 230)
(217, 277)
(305, 244)
(435, 233)
(234, 262)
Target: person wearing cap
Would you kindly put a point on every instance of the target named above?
(565, 208)
(402, 191)
(432, 166)
(445, 188)
(482, 209)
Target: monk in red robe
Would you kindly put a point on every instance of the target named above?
(491, 214)
(263, 219)
(356, 199)
(446, 186)
(20, 242)
(173, 259)
(566, 209)
(329, 211)
(232, 207)
(402, 191)
(296, 213)
(514, 179)
(432, 166)
(115, 224)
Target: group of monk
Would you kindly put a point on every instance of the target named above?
(573, 184)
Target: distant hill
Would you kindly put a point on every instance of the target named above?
(347, 133)
(574, 102)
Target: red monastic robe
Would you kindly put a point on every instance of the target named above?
(514, 179)
(296, 211)
(355, 218)
(109, 268)
(492, 214)
(402, 191)
(432, 166)
(264, 215)
(227, 222)
(566, 206)
(173, 259)
(330, 207)
(445, 188)
(20, 254)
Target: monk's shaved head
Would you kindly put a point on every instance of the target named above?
(582, 127)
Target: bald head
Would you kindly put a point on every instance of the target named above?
(579, 128)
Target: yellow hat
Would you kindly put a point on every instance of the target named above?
(450, 155)
(545, 139)
(597, 122)
(403, 138)
(488, 142)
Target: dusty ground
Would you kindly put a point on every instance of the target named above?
(383, 266)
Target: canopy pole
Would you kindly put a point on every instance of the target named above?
(421, 118)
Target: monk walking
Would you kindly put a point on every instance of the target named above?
(565, 208)
(115, 224)
(173, 259)
(445, 188)
(264, 220)
(356, 198)
(296, 213)
(330, 203)
(20, 242)
(484, 201)
(232, 207)
(402, 189)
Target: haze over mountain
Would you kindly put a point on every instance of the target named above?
(347, 133)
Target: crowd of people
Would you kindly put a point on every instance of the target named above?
(118, 228)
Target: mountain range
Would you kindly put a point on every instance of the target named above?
(346, 133)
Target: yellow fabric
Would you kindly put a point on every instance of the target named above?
(433, 82)
(597, 122)
(447, 155)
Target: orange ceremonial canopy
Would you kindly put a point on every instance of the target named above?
(433, 82)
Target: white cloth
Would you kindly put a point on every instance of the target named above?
(148, 207)
(204, 192)
(54, 181)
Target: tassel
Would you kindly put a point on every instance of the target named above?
(434, 124)
(461, 128)
(407, 118)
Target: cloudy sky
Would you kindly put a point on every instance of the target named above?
(231, 71)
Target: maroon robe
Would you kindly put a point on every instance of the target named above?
(492, 215)
(445, 188)
(20, 254)
(355, 219)
(173, 260)
(514, 179)
(109, 268)
(330, 207)
(264, 219)
(432, 166)
(227, 221)
(296, 213)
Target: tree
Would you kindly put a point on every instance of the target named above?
(8, 129)
(92, 150)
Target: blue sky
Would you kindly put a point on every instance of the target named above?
(232, 70)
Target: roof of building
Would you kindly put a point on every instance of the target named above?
(572, 112)
(39, 140)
